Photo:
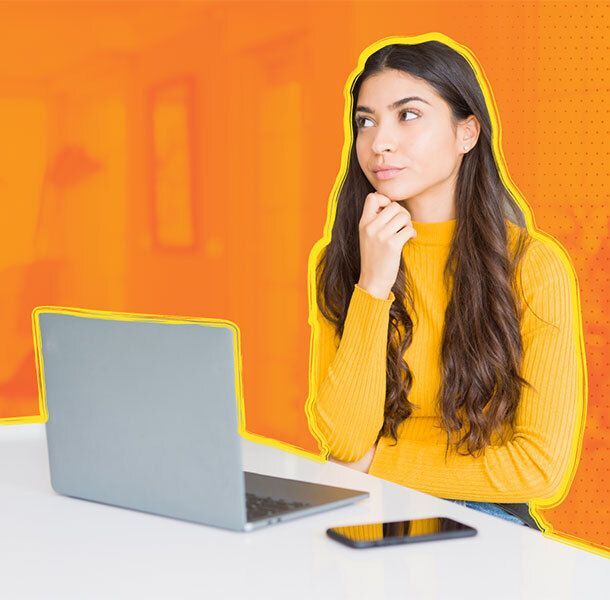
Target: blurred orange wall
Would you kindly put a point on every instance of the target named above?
(177, 158)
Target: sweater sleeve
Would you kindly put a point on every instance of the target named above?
(548, 419)
(349, 402)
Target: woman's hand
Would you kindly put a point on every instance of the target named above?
(385, 227)
(360, 465)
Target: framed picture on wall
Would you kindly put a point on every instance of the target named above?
(172, 147)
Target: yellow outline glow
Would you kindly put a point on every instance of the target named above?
(576, 446)
(577, 441)
(143, 317)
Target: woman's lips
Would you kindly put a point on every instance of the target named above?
(389, 174)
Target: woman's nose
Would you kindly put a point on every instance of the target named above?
(384, 141)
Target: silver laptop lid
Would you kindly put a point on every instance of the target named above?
(143, 414)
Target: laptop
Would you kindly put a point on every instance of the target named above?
(145, 412)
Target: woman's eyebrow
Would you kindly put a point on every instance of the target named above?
(366, 109)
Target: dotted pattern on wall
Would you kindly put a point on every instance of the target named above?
(547, 65)
(569, 196)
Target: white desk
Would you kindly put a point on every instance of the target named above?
(57, 547)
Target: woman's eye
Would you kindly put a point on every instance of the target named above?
(360, 120)
(409, 111)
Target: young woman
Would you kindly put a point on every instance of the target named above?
(447, 353)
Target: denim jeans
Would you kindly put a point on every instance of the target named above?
(491, 509)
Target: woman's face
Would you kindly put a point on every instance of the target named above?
(416, 135)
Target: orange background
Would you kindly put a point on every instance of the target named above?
(177, 158)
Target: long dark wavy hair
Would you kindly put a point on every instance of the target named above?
(481, 342)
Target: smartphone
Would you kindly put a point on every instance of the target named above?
(370, 535)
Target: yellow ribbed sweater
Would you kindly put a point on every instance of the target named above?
(346, 412)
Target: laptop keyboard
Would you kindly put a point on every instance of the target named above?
(259, 507)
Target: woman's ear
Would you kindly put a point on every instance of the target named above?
(468, 133)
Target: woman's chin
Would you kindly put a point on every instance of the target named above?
(395, 194)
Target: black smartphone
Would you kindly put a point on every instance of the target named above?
(370, 535)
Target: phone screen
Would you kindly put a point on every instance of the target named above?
(400, 532)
